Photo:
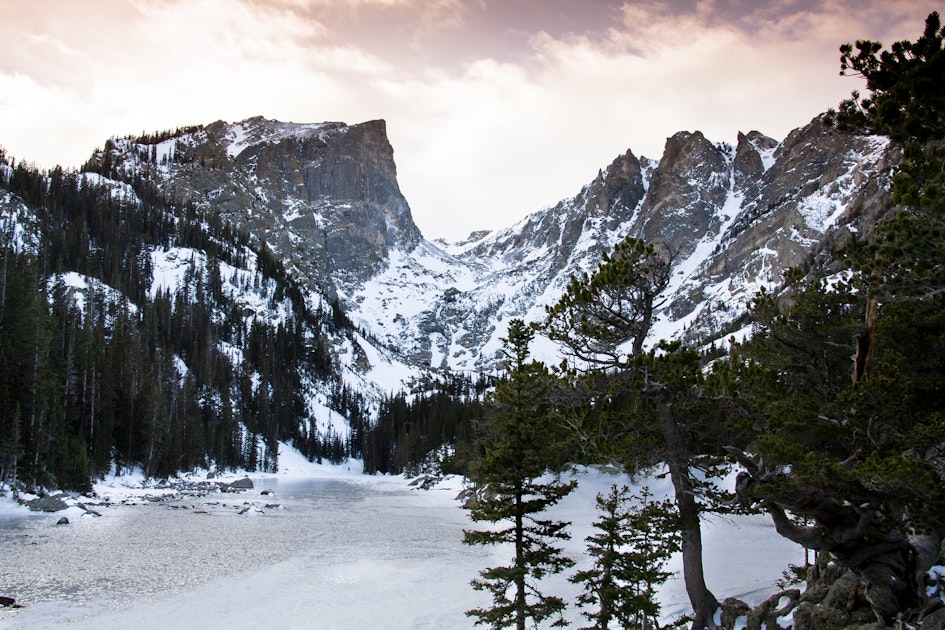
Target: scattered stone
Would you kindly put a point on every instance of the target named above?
(243, 511)
(470, 496)
(467, 496)
(266, 491)
(425, 482)
(88, 510)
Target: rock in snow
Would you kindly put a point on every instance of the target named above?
(241, 484)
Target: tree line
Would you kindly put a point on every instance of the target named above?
(120, 374)
(431, 428)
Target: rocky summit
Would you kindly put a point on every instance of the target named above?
(325, 198)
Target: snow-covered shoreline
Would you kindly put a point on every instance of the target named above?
(132, 487)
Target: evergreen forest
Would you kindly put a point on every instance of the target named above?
(118, 373)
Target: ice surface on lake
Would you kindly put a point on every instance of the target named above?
(346, 552)
(333, 544)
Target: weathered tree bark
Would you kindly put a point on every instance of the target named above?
(704, 603)
(885, 567)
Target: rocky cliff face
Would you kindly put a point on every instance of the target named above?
(784, 205)
(325, 197)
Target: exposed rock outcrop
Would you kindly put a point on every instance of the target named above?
(323, 196)
(48, 504)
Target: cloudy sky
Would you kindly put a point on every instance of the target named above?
(495, 108)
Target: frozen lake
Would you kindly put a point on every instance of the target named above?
(332, 551)
(338, 553)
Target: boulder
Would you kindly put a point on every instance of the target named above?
(809, 616)
(241, 484)
(732, 609)
(48, 504)
(934, 621)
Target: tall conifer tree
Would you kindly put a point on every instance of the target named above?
(629, 551)
(520, 442)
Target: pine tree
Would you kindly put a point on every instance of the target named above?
(520, 442)
(629, 554)
(640, 407)
(599, 313)
(847, 467)
(859, 459)
(903, 259)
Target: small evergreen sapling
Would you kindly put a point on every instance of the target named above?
(630, 552)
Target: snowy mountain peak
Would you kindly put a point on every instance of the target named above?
(323, 196)
(733, 217)
(325, 199)
(258, 130)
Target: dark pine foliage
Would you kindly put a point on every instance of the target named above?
(92, 384)
(430, 427)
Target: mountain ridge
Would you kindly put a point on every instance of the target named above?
(324, 198)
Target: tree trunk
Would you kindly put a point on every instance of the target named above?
(885, 562)
(519, 562)
(863, 360)
(704, 603)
